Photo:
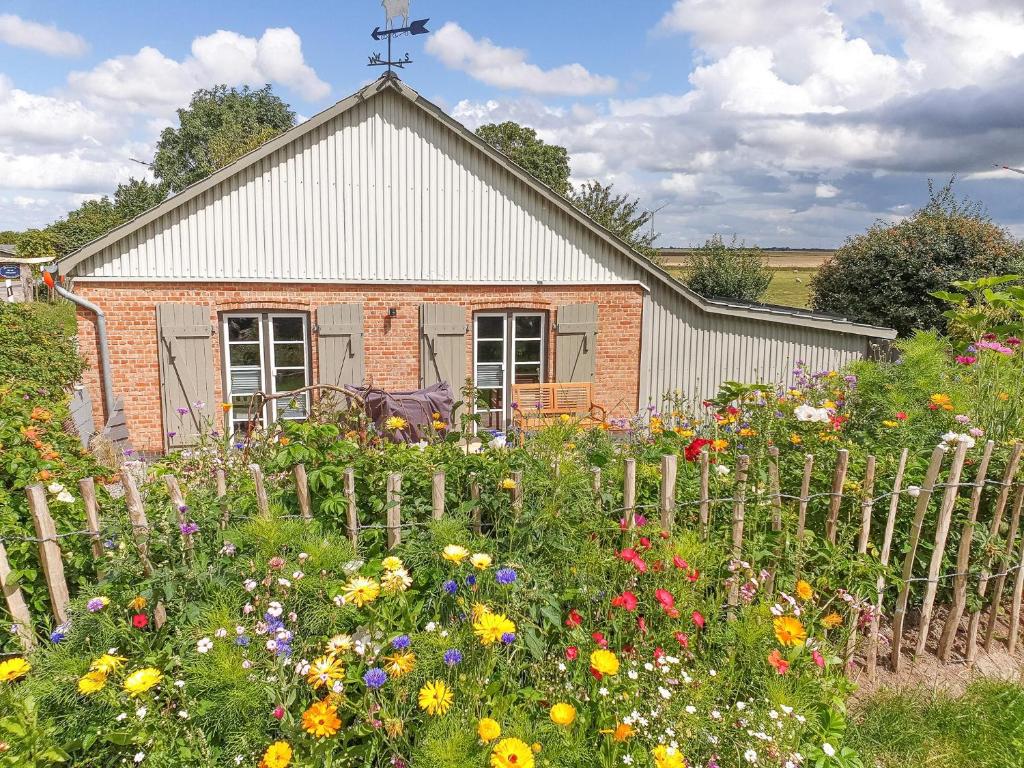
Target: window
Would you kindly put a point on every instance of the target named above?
(508, 348)
(265, 352)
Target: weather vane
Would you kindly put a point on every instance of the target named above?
(396, 9)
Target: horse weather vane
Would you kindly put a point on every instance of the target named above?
(396, 9)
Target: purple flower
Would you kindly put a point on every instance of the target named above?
(242, 640)
(452, 656)
(96, 604)
(375, 677)
(471, 580)
(59, 633)
(450, 587)
(170, 435)
(400, 642)
(182, 411)
(508, 638)
(505, 576)
(187, 529)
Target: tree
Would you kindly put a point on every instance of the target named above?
(617, 213)
(218, 126)
(137, 196)
(36, 243)
(548, 163)
(9, 237)
(732, 271)
(887, 275)
(90, 220)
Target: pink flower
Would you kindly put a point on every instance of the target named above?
(627, 600)
(818, 658)
(966, 359)
(683, 639)
(572, 653)
(679, 563)
(698, 619)
(279, 712)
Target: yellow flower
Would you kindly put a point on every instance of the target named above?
(481, 561)
(667, 757)
(394, 727)
(394, 581)
(789, 630)
(478, 610)
(391, 563)
(399, 664)
(12, 669)
(508, 484)
(438, 425)
(563, 714)
(92, 681)
(326, 670)
(107, 663)
(622, 732)
(321, 719)
(141, 680)
(278, 755)
(832, 621)
(395, 422)
(564, 418)
(942, 401)
(719, 444)
(137, 604)
(536, 747)
(361, 591)
(604, 662)
(795, 439)
(803, 590)
(488, 730)
(491, 626)
(339, 644)
(747, 432)
(454, 553)
(890, 423)
(435, 698)
(512, 753)
(1003, 396)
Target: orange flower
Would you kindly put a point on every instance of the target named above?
(45, 474)
(776, 660)
(30, 433)
(40, 414)
(789, 630)
(832, 621)
(284, 441)
(225, 407)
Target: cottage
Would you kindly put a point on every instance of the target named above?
(381, 242)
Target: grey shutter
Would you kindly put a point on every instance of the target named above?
(576, 343)
(443, 346)
(340, 344)
(186, 370)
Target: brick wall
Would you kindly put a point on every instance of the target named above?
(391, 344)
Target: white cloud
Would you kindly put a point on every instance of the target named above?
(507, 68)
(45, 38)
(825, 191)
(33, 120)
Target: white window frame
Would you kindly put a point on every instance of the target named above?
(504, 363)
(508, 354)
(272, 367)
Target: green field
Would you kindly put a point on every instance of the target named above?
(790, 286)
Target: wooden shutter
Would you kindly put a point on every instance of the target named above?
(186, 370)
(443, 346)
(576, 343)
(340, 344)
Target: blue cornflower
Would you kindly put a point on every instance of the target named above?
(400, 642)
(375, 677)
(471, 580)
(450, 587)
(452, 656)
(242, 640)
(508, 638)
(59, 633)
(505, 576)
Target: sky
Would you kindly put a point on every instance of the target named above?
(784, 123)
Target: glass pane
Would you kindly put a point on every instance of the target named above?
(244, 382)
(490, 375)
(490, 327)
(286, 355)
(490, 399)
(291, 409)
(528, 351)
(241, 405)
(288, 328)
(489, 351)
(528, 327)
(244, 354)
(528, 373)
(492, 420)
(243, 329)
(287, 381)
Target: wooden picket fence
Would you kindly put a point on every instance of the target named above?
(974, 569)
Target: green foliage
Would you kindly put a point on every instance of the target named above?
(548, 163)
(732, 271)
(92, 219)
(37, 243)
(977, 308)
(219, 125)
(889, 275)
(37, 346)
(617, 213)
(137, 196)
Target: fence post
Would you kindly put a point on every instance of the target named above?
(997, 518)
(805, 496)
(963, 558)
(261, 490)
(705, 494)
(629, 493)
(137, 517)
(775, 491)
(87, 488)
(890, 526)
(222, 498)
(178, 500)
(351, 516)
(595, 486)
(836, 499)
(1018, 589)
(302, 492)
(997, 589)
(15, 602)
(924, 496)
(476, 514)
(437, 495)
(49, 552)
(668, 491)
(739, 501)
(867, 504)
(394, 514)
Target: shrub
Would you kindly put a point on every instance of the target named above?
(38, 346)
(732, 271)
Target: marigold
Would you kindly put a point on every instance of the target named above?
(508, 484)
(395, 422)
(395, 581)
(391, 563)
(91, 682)
(321, 719)
(340, 644)
(438, 425)
(563, 714)
(137, 603)
(141, 680)
(107, 663)
(832, 621)
(803, 590)
(454, 553)
(361, 591)
(621, 732)
(719, 444)
(13, 669)
(789, 630)
(488, 729)
(325, 671)
(491, 626)
(278, 755)
(400, 663)
(668, 757)
(481, 561)
(604, 661)
(435, 698)
(512, 753)
(795, 439)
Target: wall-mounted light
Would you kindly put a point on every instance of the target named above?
(392, 311)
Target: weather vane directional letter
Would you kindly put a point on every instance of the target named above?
(396, 9)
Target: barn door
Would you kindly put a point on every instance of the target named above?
(340, 344)
(443, 346)
(186, 371)
(576, 342)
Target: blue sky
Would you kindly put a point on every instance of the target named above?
(785, 124)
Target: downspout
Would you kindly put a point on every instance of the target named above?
(51, 278)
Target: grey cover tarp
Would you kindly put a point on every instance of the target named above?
(417, 408)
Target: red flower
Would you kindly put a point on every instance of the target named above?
(776, 660)
(645, 543)
(626, 600)
(600, 639)
(668, 603)
(140, 621)
(818, 658)
(631, 557)
(692, 452)
(901, 415)
(683, 639)
(574, 619)
(278, 712)
(693, 575)
(679, 563)
(698, 619)
(658, 566)
(641, 624)
(658, 653)
(665, 535)
(572, 653)
(597, 675)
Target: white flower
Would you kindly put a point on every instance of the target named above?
(431, 626)
(139, 757)
(239, 759)
(121, 717)
(249, 584)
(298, 575)
(204, 645)
(627, 759)
(741, 705)
(179, 683)
(65, 497)
(183, 714)
(773, 715)
(55, 488)
(721, 469)
(422, 444)
(221, 632)
(786, 709)
(716, 715)
(561, 666)
(284, 583)
(141, 712)
(665, 693)
(633, 674)
(828, 749)
(691, 709)
(271, 645)
(807, 412)
(497, 442)
(750, 756)
(275, 609)
(603, 691)
(801, 719)
(712, 673)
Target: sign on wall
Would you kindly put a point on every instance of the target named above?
(10, 271)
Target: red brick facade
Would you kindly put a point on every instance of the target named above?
(391, 344)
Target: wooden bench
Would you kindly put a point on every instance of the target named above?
(538, 405)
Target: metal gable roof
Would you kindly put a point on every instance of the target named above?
(764, 313)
